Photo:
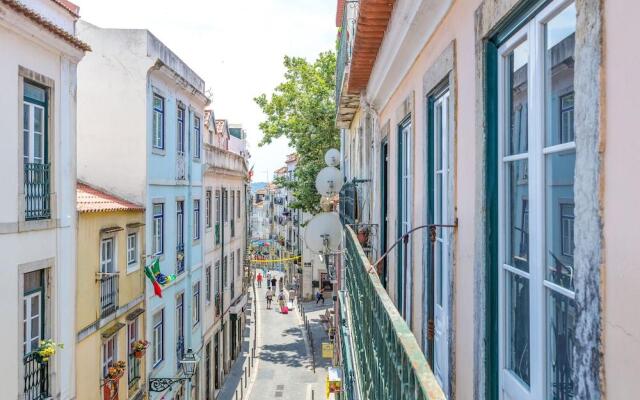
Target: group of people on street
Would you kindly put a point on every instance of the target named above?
(272, 285)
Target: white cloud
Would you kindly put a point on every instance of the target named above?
(236, 46)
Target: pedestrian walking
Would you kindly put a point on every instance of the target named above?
(281, 301)
(319, 296)
(273, 283)
(281, 284)
(259, 279)
(269, 297)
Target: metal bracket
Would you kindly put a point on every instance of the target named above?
(162, 384)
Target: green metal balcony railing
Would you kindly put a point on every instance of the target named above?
(37, 186)
(388, 362)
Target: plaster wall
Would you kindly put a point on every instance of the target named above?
(620, 273)
(112, 101)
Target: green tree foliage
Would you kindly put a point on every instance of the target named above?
(302, 109)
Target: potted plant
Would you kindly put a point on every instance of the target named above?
(363, 235)
(139, 347)
(116, 371)
(46, 349)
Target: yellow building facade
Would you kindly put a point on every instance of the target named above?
(110, 297)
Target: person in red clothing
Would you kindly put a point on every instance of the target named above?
(259, 279)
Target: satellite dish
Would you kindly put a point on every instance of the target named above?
(332, 157)
(329, 181)
(323, 232)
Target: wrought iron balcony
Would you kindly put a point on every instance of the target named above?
(108, 293)
(387, 362)
(37, 191)
(36, 377)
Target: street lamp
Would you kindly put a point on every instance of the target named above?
(188, 363)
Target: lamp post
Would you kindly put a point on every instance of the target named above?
(188, 363)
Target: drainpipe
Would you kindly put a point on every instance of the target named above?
(189, 240)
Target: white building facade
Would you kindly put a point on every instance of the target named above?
(40, 54)
(225, 244)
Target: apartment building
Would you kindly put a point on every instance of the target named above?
(110, 309)
(225, 233)
(40, 55)
(155, 105)
(477, 130)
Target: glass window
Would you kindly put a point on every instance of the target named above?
(109, 354)
(239, 261)
(538, 235)
(207, 209)
(196, 303)
(196, 219)
(107, 259)
(238, 204)
(32, 324)
(158, 122)
(158, 337)
(132, 248)
(207, 284)
(180, 132)
(34, 123)
(158, 228)
(197, 138)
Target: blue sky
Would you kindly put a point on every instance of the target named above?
(237, 46)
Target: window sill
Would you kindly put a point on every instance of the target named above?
(133, 268)
(38, 225)
(158, 151)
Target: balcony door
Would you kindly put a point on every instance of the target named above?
(405, 194)
(440, 210)
(536, 170)
(34, 124)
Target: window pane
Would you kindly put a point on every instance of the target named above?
(25, 129)
(560, 171)
(517, 100)
(34, 92)
(517, 215)
(559, 69)
(561, 316)
(517, 313)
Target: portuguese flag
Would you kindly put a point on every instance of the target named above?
(151, 271)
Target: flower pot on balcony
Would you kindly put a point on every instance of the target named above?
(138, 354)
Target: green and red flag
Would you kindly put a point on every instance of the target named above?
(148, 271)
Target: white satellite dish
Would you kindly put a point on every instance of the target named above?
(332, 157)
(323, 232)
(329, 181)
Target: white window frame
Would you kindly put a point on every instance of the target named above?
(158, 338)
(104, 261)
(539, 285)
(132, 251)
(406, 130)
(109, 345)
(158, 229)
(197, 137)
(157, 136)
(29, 320)
(196, 304)
(207, 208)
(196, 219)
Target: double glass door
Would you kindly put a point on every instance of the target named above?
(536, 202)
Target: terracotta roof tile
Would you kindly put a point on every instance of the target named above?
(46, 24)
(90, 199)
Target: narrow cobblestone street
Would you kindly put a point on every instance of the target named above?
(284, 363)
